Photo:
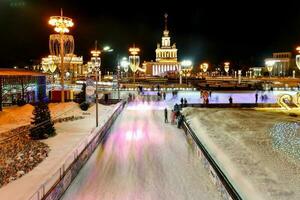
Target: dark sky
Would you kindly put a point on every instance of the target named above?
(242, 33)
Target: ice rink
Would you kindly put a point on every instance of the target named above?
(143, 158)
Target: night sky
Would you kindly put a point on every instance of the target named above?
(243, 33)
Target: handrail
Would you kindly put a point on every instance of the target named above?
(224, 180)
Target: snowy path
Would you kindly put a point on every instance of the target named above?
(143, 158)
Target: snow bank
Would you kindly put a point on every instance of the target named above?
(241, 143)
(13, 117)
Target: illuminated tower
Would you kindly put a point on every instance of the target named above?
(165, 52)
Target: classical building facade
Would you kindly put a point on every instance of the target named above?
(284, 64)
(166, 57)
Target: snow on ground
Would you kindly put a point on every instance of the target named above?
(13, 117)
(69, 135)
(143, 158)
(258, 151)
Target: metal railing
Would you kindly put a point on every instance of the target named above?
(89, 143)
(231, 191)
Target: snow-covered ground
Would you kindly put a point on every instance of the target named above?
(258, 151)
(143, 158)
(15, 116)
(69, 136)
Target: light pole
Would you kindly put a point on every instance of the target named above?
(62, 25)
(204, 67)
(270, 64)
(125, 64)
(226, 67)
(187, 67)
(298, 58)
(96, 62)
(134, 60)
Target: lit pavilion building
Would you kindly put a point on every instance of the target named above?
(166, 57)
(73, 65)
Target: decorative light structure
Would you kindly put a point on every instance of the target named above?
(270, 64)
(61, 44)
(204, 67)
(134, 60)
(125, 65)
(226, 67)
(186, 69)
(298, 58)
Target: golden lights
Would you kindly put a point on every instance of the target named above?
(61, 24)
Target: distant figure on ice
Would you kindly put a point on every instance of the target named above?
(230, 100)
(181, 100)
(256, 98)
(209, 93)
(164, 95)
(185, 102)
(166, 115)
(173, 117)
(180, 121)
(158, 96)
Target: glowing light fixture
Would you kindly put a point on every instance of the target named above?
(226, 67)
(298, 58)
(124, 64)
(204, 67)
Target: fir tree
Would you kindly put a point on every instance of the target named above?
(43, 127)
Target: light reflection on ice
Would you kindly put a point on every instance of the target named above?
(286, 138)
(136, 135)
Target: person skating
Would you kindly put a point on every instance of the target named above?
(181, 100)
(256, 98)
(164, 95)
(230, 100)
(166, 115)
(185, 102)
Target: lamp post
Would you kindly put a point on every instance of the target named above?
(96, 60)
(298, 58)
(270, 64)
(187, 67)
(96, 64)
(61, 25)
(226, 67)
(125, 64)
(134, 60)
(204, 67)
(118, 80)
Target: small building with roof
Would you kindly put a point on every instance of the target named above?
(18, 84)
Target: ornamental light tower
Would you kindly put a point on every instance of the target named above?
(298, 58)
(134, 60)
(226, 67)
(61, 44)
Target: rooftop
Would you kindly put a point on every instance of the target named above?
(19, 72)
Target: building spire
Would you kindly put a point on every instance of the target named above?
(166, 21)
(166, 32)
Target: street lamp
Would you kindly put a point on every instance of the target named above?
(186, 68)
(270, 64)
(61, 44)
(298, 58)
(125, 64)
(226, 67)
(134, 60)
(204, 67)
(96, 64)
